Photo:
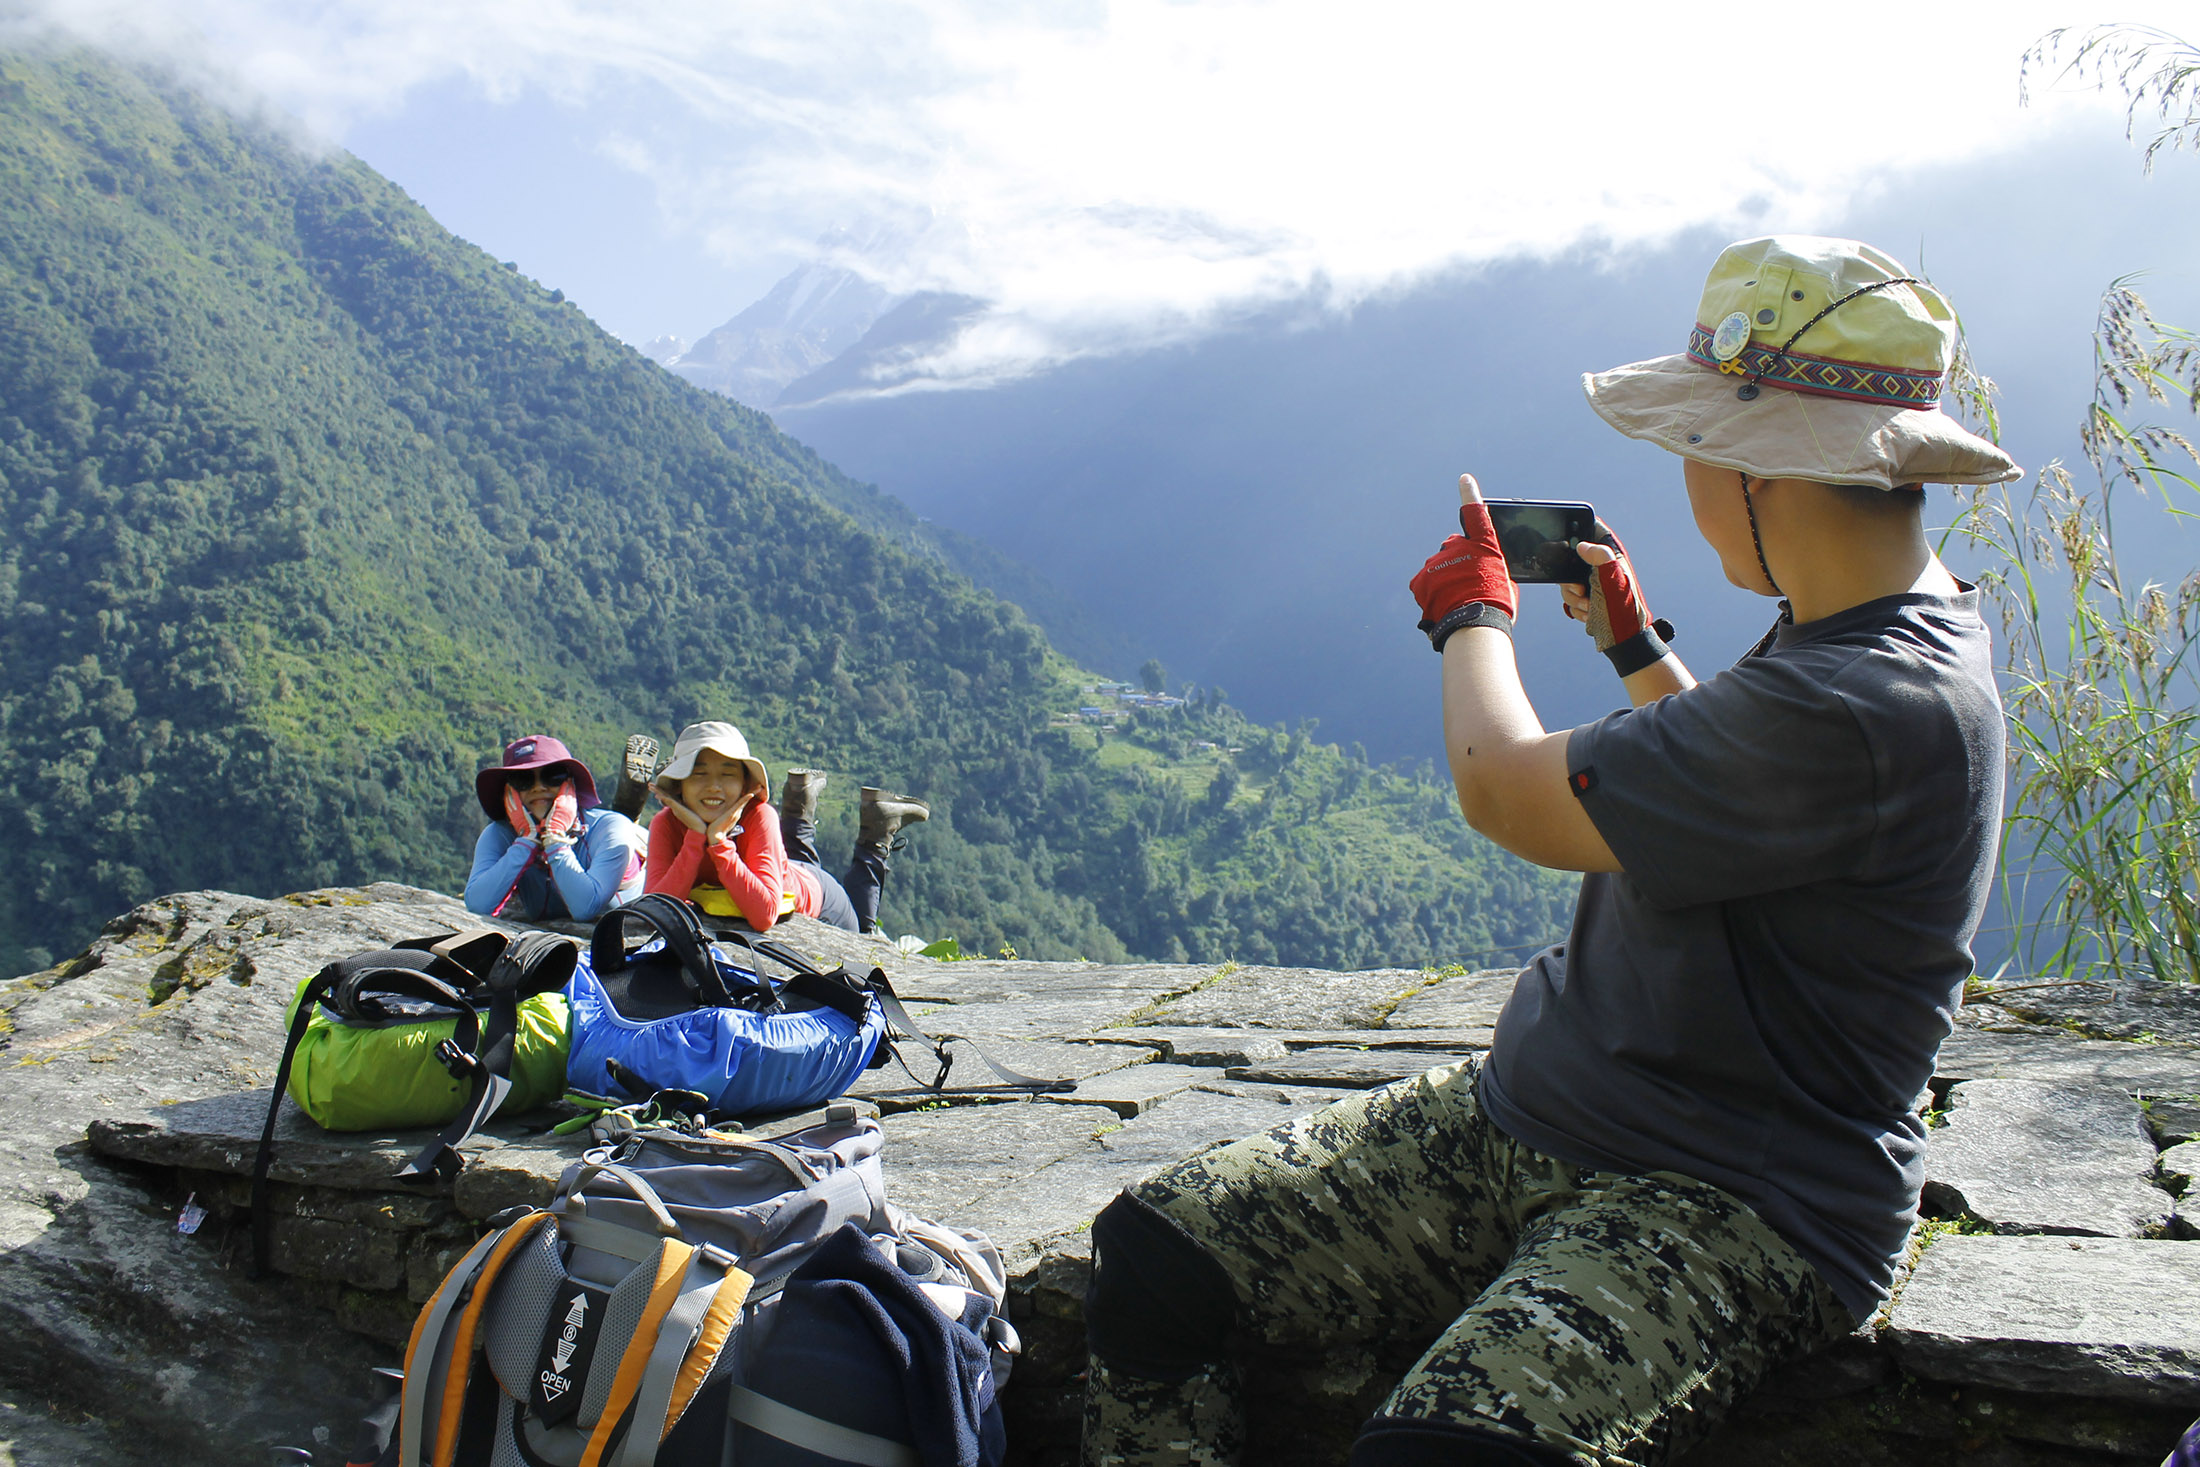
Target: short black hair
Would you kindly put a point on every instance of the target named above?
(1908, 498)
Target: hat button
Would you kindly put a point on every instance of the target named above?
(1767, 316)
(1795, 295)
(1747, 392)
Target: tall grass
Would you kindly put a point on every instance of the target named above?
(2101, 848)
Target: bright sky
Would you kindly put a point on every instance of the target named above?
(1119, 172)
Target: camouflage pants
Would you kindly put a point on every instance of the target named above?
(1600, 1317)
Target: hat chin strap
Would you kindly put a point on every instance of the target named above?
(1757, 539)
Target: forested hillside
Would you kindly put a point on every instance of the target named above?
(308, 506)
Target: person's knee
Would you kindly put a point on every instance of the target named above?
(1392, 1441)
(1159, 1306)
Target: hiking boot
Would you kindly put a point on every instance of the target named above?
(883, 814)
(798, 795)
(636, 770)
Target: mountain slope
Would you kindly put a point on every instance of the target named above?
(309, 505)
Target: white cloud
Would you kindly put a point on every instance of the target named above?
(1120, 171)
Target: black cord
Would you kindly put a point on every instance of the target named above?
(1754, 385)
(1757, 539)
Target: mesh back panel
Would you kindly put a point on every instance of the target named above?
(620, 1316)
(506, 1453)
(519, 1311)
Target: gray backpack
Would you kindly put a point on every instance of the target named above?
(694, 1300)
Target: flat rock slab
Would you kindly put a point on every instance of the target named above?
(1212, 1048)
(2107, 1318)
(2031, 1158)
(1289, 998)
(894, 1087)
(1136, 1090)
(2179, 1164)
(2055, 1058)
(32, 1435)
(2174, 1119)
(1224, 1048)
(1033, 1018)
(1471, 1001)
(1027, 1171)
(221, 1133)
(1345, 1069)
(2130, 1008)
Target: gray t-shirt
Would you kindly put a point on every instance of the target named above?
(1807, 842)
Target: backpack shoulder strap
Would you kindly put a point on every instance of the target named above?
(319, 987)
(478, 1053)
(834, 988)
(532, 963)
(465, 956)
(673, 1259)
(709, 1304)
(465, 1292)
(682, 929)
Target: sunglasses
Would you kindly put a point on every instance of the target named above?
(527, 779)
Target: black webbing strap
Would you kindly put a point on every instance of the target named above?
(530, 964)
(682, 929)
(402, 982)
(880, 988)
(899, 1017)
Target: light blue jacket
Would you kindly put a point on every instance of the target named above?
(602, 868)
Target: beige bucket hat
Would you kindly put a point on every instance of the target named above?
(1811, 358)
(720, 738)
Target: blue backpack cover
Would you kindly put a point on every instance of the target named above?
(682, 1013)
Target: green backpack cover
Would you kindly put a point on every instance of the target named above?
(359, 1077)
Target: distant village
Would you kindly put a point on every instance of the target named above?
(1112, 702)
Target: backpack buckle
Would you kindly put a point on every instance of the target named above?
(456, 1060)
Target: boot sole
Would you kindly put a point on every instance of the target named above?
(641, 758)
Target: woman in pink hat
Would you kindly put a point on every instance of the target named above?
(720, 843)
(550, 851)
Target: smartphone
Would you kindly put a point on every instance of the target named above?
(1538, 535)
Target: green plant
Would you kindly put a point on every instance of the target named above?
(2102, 843)
(2101, 850)
(2157, 72)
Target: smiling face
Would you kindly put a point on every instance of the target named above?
(716, 784)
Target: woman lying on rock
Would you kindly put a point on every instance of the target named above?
(550, 851)
(720, 843)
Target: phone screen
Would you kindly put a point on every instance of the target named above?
(1538, 538)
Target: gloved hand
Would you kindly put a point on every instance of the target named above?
(565, 813)
(1613, 605)
(515, 812)
(1466, 572)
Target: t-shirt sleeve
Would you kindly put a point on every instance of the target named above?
(1756, 781)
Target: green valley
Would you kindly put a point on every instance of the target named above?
(309, 505)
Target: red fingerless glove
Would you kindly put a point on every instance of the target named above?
(1619, 617)
(1465, 582)
(515, 813)
(565, 813)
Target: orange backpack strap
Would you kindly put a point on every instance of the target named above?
(465, 1291)
(712, 1284)
(672, 1267)
(710, 1341)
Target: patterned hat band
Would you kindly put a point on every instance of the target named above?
(1821, 376)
